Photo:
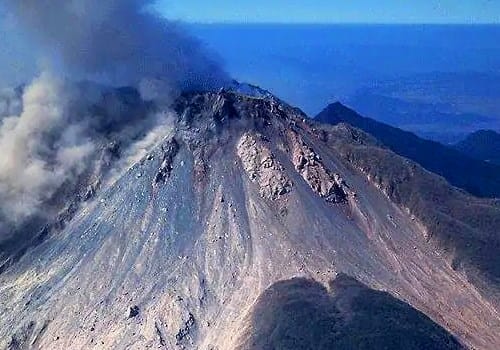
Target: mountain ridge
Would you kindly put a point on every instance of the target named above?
(475, 176)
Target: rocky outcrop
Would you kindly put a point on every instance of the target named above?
(262, 167)
(133, 311)
(186, 329)
(322, 181)
(169, 151)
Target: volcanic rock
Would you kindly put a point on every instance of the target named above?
(243, 206)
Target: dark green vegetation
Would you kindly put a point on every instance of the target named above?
(482, 144)
(477, 177)
(303, 314)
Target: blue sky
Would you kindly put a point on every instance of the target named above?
(334, 11)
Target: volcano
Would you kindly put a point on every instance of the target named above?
(250, 226)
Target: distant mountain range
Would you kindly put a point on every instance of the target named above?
(444, 107)
(473, 175)
(482, 144)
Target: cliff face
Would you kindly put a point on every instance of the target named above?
(246, 192)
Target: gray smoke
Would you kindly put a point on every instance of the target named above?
(50, 130)
(119, 41)
(41, 147)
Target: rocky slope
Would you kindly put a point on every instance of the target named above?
(245, 199)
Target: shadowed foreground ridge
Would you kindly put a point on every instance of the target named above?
(303, 314)
(242, 193)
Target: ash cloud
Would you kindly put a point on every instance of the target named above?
(51, 129)
(118, 41)
(40, 147)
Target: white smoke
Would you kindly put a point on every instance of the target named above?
(50, 132)
(164, 129)
(139, 150)
(40, 149)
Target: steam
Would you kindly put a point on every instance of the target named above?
(50, 130)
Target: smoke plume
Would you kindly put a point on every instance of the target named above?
(120, 41)
(40, 147)
(51, 129)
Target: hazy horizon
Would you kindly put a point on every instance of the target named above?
(333, 11)
(312, 65)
